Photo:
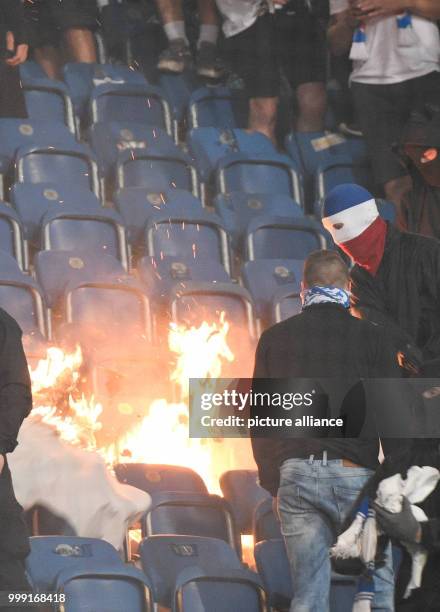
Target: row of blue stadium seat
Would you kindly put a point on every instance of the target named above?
(189, 536)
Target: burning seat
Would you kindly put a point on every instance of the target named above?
(86, 570)
(189, 573)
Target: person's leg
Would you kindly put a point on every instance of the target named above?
(13, 579)
(253, 56)
(312, 104)
(308, 536)
(263, 116)
(80, 44)
(208, 62)
(302, 49)
(382, 111)
(176, 57)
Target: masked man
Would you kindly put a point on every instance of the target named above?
(396, 276)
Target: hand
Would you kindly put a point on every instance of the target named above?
(374, 9)
(2, 463)
(20, 53)
(401, 525)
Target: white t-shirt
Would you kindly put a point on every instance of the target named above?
(238, 15)
(387, 61)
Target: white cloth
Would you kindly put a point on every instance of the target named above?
(419, 483)
(73, 483)
(238, 15)
(388, 62)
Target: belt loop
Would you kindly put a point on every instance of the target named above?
(324, 458)
(311, 459)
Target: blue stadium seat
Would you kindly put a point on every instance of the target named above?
(11, 235)
(218, 107)
(264, 523)
(49, 100)
(56, 270)
(191, 235)
(101, 313)
(109, 139)
(17, 133)
(314, 150)
(339, 173)
(197, 591)
(264, 277)
(51, 554)
(161, 275)
(31, 70)
(273, 567)
(71, 165)
(286, 303)
(236, 209)
(183, 513)
(241, 489)
(164, 557)
(33, 200)
(157, 171)
(104, 588)
(143, 104)
(137, 204)
(208, 145)
(282, 238)
(154, 478)
(255, 174)
(86, 571)
(21, 297)
(100, 232)
(81, 78)
(178, 89)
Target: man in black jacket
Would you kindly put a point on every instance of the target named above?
(15, 405)
(317, 480)
(13, 51)
(395, 281)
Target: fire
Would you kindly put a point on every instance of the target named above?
(162, 435)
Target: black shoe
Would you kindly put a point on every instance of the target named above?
(175, 58)
(208, 61)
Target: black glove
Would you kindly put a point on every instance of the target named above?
(401, 525)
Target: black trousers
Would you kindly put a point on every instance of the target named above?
(12, 102)
(12, 579)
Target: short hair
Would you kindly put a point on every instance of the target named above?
(325, 268)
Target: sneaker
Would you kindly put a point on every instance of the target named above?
(208, 62)
(175, 58)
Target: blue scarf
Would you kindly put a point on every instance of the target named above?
(406, 37)
(322, 295)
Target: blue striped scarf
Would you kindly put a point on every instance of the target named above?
(321, 295)
(406, 37)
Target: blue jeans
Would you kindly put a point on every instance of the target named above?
(314, 499)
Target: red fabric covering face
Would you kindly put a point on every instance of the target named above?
(367, 249)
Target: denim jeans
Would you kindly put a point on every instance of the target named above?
(314, 499)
